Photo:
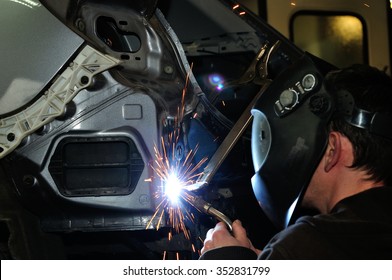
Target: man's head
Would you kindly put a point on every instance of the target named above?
(356, 158)
(371, 90)
(292, 129)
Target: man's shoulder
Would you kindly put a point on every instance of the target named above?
(359, 227)
(302, 240)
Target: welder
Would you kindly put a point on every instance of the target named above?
(321, 139)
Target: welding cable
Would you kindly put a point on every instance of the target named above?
(220, 216)
(206, 208)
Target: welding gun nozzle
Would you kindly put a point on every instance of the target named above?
(206, 208)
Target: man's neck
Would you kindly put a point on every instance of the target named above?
(353, 183)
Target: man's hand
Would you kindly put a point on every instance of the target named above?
(221, 237)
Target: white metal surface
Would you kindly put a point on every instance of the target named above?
(77, 76)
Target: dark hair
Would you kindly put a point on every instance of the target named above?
(372, 91)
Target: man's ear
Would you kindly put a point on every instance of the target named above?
(333, 152)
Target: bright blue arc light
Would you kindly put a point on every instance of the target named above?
(172, 188)
(216, 81)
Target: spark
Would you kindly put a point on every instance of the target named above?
(236, 7)
(172, 174)
(242, 13)
(164, 255)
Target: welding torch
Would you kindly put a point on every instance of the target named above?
(206, 207)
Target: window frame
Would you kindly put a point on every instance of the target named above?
(365, 41)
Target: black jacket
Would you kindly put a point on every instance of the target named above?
(359, 227)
